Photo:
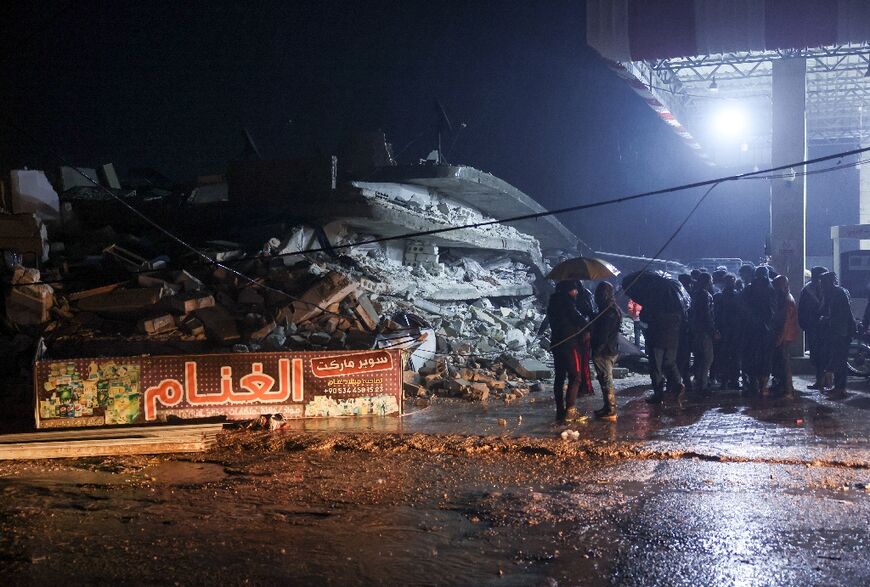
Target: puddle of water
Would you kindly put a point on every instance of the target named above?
(184, 473)
(73, 477)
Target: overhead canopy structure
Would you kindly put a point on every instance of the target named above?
(706, 67)
(749, 83)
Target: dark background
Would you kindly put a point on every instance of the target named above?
(172, 85)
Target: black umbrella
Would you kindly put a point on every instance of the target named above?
(656, 291)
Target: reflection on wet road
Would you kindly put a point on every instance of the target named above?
(715, 491)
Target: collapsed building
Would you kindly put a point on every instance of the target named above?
(293, 255)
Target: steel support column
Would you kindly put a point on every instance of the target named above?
(864, 197)
(788, 197)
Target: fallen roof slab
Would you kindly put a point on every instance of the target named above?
(489, 194)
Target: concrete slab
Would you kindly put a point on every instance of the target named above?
(489, 194)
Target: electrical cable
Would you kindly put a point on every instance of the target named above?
(639, 273)
(578, 207)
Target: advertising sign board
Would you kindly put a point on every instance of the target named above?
(137, 390)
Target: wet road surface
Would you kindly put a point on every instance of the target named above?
(710, 491)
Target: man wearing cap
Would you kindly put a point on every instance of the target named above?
(809, 314)
(837, 329)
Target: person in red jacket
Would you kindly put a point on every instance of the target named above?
(634, 310)
(785, 330)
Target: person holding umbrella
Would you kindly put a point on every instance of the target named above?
(566, 326)
(576, 352)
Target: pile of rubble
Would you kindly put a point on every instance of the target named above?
(466, 305)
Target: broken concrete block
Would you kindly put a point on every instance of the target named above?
(33, 194)
(157, 325)
(482, 315)
(319, 338)
(192, 325)
(26, 234)
(30, 304)
(262, 332)
(433, 308)
(109, 177)
(477, 392)
(366, 313)
(515, 339)
(71, 177)
(413, 390)
(186, 280)
(331, 325)
(457, 386)
(188, 302)
(121, 301)
(527, 368)
(219, 324)
(331, 289)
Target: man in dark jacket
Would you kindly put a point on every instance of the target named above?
(662, 341)
(727, 311)
(759, 301)
(703, 330)
(566, 324)
(809, 315)
(586, 306)
(837, 329)
(605, 346)
(684, 348)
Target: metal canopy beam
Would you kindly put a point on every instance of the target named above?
(694, 89)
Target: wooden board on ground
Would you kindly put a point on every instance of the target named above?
(108, 442)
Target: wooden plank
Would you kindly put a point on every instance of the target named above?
(80, 295)
(118, 433)
(112, 442)
(56, 450)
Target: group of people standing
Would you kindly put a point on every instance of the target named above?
(737, 331)
(583, 326)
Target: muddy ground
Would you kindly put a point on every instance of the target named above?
(413, 509)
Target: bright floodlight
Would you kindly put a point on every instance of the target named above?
(730, 122)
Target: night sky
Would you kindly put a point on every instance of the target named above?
(173, 85)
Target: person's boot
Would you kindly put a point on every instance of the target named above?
(657, 397)
(819, 384)
(572, 414)
(829, 380)
(608, 412)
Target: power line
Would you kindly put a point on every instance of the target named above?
(578, 207)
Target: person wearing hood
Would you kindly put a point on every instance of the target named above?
(809, 317)
(837, 329)
(759, 301)
(684, 349)
(703, 330)
(728, 313)
(605, 346)
(662, 341)
(785, 332)
(567, 326)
